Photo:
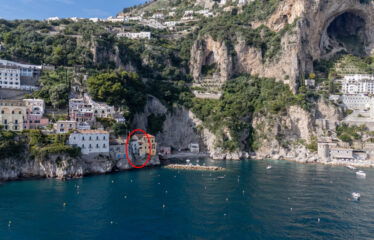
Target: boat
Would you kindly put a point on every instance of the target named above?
(351, 167)
(356, 195)
(188, 161)
(268, 167)
(361, 174)
(220, 177)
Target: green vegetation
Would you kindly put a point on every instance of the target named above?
(41, 145)
(155, 123)
(54, 88)
(348, 133)
(11, 144)
(229, 26)
(208, 70)
(244, 97)
(118, 88)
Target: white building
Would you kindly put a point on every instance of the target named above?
(95, 20)
(133, 35)
(53, 19)
(188, 13)
(119, 19)
(356, 102)
(91, 141)
(194, 147)
(358, 83)
(242, 2)
(64, 126)
(26, 70)
(158, 16)
(37, 106)
(10, 77)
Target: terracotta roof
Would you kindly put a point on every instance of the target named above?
(92, 131)
(143, 135)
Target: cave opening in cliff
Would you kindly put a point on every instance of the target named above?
(347, 33)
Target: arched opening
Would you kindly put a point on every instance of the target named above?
(346, 32)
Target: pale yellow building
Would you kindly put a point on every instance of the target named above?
(13, 115)
(141, 145)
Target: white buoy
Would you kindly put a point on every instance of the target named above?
(291, 209)
(319, 219)
(227, 199)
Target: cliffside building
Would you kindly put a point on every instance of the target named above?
(140, 144)
(13, 115)
(91, 141)
(358, 84)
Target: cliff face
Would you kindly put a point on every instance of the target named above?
(61, 166)
(317, 34)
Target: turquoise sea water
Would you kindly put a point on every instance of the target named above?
(282, 203)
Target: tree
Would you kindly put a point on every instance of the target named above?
(58, 95)
(120, 129)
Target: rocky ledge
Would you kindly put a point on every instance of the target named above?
(194, 167)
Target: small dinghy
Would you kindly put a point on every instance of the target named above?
(361, 174)
(221, 177)
(356, 196)
(268, 167)
(351, 167)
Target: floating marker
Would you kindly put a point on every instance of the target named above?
(163, 206)
(111, 222)
(64, 204)
(9, 223)
(319, 219)
(112, 181)
(125, 197)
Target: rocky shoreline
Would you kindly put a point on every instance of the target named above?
(64, 167)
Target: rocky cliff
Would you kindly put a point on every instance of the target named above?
(320, 30)
(61, 166)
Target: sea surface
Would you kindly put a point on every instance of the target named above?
(250, 202)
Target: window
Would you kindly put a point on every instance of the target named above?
(90, 146)
(104, 146)
(90, 138)
(82, 138)
(5, 121)
(19, 112)
(97, 145)
(104, 138)
(2, 111)
(15, 127)
(82, 146)
(12, 112)
(97, 137)
(16, 121)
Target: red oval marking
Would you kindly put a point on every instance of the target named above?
(150, 148)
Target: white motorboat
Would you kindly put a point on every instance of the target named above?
(356, 195)
(268, 167)
(361, 174)
(351, 167)
(188, 161)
